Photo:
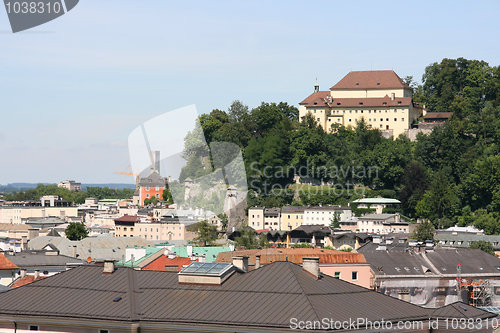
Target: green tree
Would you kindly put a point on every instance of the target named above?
(483, 246)
(247, 239)
(207, 234)
(76, 231)
(424, 231)
(335, 222)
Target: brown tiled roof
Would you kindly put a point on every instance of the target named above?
(268, 256)
(264, 298)
(387, 79)
(320, 100)
(6, 263)
(438, 115)
(128, 218)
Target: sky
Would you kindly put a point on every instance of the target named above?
(73, 89)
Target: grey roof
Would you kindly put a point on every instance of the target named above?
(328, 208)
(257, 298)
(39, 259)
(154, 179)
(460, 310)
(293, 209)
(53, 233)
(400, 259)
(351, 235)
(99, 247)
(376, 216)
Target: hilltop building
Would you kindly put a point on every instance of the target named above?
(380, 97)
(70, 185)
(150, 187)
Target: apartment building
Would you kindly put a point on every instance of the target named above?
(324, 215)
(382, 224)
(70, 185)
(380, 97)
(292, 217)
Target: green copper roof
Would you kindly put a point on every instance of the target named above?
(209, 252)
(149, 252)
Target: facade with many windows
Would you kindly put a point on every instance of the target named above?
(380, 98)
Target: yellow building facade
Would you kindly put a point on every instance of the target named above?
(381, 98)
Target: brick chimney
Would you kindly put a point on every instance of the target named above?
(109, 267)
(241, 263)
(311, 265)
(37, 274)
(257, 261)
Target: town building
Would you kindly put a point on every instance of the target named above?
(347, 241)
(326, 214)
(461, 239)
(207, 297)
(383, 224)
(430, 275)
(261, 218)
(125, 226)
(381, 98)
(163, 231)
(292, 217)
(437, 117)
(70, 185)
(151, 187)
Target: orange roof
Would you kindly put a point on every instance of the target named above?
(370, 80)
(24, 281)
(160, 263)
(270, 255)
(6, 263)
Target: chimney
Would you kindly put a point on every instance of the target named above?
(109, 266)
(23, 272)
(189, 250)
(257, 261)
(241, 263)
(37, 274)
(393, 96)
(74, 251)
(376, 239)
(311, 265)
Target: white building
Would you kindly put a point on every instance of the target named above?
(325, 214)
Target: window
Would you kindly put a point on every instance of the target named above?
(33, 328)
(395, 119)
(157, 188)
(318, 119)
(336, 275)
(349, 119)
(386, 119)
(147, 188)
(103, 331)
(381, 119)
(157, 196)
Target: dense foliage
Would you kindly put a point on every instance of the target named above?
(76, 231)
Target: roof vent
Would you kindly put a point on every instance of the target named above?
(109, 267)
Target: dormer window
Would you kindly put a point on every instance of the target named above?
(384, 103)
(357, 83)
(338, 103)
(378, 83)
(315, 103)
(360, 103)
(399, 102)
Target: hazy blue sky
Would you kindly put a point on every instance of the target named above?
(73, 89)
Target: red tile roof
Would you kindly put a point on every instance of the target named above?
(128, 218)
(438, 115)
(370, 80)
(6, 263)
(268, 256)
(320, 99)
(24, 281)
(160, 263)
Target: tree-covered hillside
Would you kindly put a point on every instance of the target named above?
(449, 176)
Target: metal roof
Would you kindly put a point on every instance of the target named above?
(266, 297)
(377, 200)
